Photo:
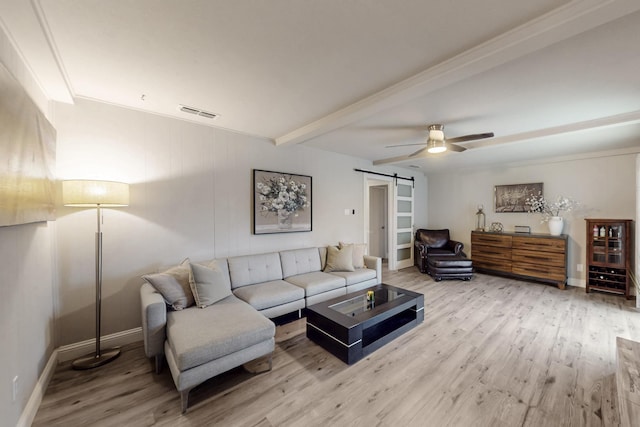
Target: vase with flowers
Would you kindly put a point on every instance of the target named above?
(551, 211)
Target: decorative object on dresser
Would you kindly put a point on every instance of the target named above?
(609, 255)
(551, 212)
(96, 194)
(480, 219)
(496, 227)
(538, 257)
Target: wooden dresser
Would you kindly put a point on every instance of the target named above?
(529, 256)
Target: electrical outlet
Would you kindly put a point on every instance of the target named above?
(579, 267)
(15, 388)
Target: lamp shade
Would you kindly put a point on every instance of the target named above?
(86, 193)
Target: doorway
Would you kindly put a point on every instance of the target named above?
(378, 221)
(389, 220)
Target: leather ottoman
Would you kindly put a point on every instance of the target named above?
(449, 267)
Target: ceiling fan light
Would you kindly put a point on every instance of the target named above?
(436, 134)
(436, 146)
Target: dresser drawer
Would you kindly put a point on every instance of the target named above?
(490, 252)
(543, 259)
(492, 264)
(490, 240)
(539, 244)
(539, 271)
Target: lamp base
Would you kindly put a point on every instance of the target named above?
(93, 361)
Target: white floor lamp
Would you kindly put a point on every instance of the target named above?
(98, 194)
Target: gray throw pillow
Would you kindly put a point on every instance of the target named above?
(173, 285)
(339, 259)
(208, 284)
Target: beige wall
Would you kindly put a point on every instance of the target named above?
(190, 197)
(26, 286)
(604, 186)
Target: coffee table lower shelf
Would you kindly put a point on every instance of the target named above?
(352, 337)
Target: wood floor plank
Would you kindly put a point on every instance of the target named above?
(491, 352)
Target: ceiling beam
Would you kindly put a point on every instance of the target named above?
(602, 122)
(566, 21)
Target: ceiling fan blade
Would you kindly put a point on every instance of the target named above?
(388, 160)
(420, 151)
(453, 147)
(471, 137)
(405, 145)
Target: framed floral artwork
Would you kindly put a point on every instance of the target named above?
(513, 197)
(281, 202)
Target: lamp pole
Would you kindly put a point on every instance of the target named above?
(98, 194)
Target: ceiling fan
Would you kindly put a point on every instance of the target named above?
(437, 143)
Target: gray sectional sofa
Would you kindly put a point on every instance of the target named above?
(200, 343)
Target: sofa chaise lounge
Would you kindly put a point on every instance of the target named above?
(258, 287)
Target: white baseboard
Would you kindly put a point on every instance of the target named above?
(70, 352)
(82, 348)
(30, 411)
(579, 283)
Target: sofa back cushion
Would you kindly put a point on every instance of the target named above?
(433, 238)
(300, 261)
(252, 269)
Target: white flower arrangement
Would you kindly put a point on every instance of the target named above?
(538, 204)
(282, 194)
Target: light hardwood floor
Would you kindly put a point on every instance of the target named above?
(491, 352)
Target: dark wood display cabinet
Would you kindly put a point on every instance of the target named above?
(609, 255)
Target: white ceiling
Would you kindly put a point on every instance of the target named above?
(550, 78)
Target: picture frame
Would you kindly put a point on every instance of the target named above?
(512, 198)
(282, 202)
(28, 153)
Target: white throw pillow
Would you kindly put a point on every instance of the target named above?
(359, 250)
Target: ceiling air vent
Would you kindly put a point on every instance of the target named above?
(197, 112)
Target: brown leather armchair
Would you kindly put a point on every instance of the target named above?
(434, 242)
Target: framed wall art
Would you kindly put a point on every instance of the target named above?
(513, 197)
(27, 157)
(281, 202)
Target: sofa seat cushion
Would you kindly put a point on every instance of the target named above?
(269, 294)
(198, 336)
(357, 276)
(317, 282)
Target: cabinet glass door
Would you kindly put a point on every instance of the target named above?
(608, 244)
(599, 243)
(615, 247)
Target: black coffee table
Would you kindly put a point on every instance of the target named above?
(351, 327)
